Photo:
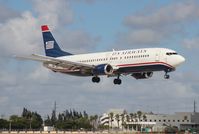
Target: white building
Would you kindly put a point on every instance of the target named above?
(105, 119)
(157, 122)
(182, 120)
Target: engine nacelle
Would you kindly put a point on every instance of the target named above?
(143, 75)
(103, 69)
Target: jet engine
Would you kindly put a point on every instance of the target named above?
(143, 75)
(102, 69)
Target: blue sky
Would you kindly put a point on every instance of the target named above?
(82, 26)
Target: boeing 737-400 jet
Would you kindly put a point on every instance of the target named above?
(139, 63)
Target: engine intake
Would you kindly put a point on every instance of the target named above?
(143, 75)
(103, 69)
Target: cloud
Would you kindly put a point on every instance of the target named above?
(7, 13)
(24, 31)
(191, 43)
(173, 14)
(53, 12)
(19, 33)
(29, 84)
(142, 36)
(156, 27)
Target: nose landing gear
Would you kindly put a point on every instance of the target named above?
(166, 76)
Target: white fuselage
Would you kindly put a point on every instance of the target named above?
(127, 61)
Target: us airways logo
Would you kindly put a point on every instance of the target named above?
(49, 44)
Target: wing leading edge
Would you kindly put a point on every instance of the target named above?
(55, 61)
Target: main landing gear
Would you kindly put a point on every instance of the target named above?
(96, 79)
(116, 81)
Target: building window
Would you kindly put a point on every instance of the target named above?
(178, 120)
(154, 120)
(159, 120)
(173, 120)
(185, 117)
(164, 120)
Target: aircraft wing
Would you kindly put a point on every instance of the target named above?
(56, 61)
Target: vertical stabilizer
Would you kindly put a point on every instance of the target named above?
(51, 47)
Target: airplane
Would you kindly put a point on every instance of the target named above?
(139, 63)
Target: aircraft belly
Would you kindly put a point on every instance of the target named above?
(77, 74)
(146, 68)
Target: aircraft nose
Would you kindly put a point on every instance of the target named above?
(181, 59)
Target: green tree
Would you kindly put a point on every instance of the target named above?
(53, 117)
(4, 124)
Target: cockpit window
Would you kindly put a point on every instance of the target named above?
(171, 53)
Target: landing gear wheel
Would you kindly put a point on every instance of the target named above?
(96, 79)
(117, 81)
(166, 76)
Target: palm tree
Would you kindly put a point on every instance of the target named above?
(135, 116)
(117, 117)
(144, 117)
(131, 116)
(139, 113)
(95, 119)
(127, 120)
(92, 121)
(111, 118)
(122, 115)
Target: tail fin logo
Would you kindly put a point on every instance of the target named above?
(49, 44)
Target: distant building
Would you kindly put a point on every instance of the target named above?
(156, 122)
(48, 128)
(182, 120)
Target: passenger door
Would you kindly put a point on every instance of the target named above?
(157, 55)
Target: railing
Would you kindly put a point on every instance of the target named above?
(52, 132)
(82, 132)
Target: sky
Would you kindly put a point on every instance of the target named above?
(82, 26)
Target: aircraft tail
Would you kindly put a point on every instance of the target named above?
(51, 47)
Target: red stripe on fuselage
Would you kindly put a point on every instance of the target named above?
(147, 63)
